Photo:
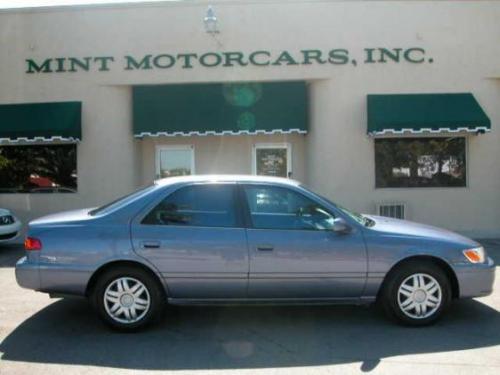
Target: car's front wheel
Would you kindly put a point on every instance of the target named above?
(128, 298)
(417, 293)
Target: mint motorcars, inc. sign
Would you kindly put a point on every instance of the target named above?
(262, 58)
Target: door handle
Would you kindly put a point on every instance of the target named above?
(150, 244)
(265, 247)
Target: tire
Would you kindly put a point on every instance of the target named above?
(416, 293)
(128, 298)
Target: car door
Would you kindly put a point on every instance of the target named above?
(294, 253)
(195, 239)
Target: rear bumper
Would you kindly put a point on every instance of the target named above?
(476, 280)
(27, 274)
(51, 278)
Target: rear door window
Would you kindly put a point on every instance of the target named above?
(203, 205)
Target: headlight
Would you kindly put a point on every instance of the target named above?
(475, 255)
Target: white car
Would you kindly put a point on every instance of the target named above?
(10, 226)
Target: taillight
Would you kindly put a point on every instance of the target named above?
(31, 244)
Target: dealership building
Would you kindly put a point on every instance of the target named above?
(385, 107)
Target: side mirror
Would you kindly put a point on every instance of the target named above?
(340, 226)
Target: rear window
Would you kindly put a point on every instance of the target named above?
(109, 207)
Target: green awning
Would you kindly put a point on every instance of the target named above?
(425, 113)
(40, 122)
(220, 109)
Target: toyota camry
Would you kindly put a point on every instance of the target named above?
(246, 239)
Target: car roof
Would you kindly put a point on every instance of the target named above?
(225, 178)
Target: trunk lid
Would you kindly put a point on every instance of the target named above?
(63, 217)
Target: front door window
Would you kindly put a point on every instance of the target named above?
(284, 209)
(174, 161)
(271, 159)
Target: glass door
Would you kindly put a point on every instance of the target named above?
(174, 161)
(272, 159)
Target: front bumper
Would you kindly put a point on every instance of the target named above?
(27, 274)
(476, 280)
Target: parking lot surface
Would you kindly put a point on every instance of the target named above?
(43, 335)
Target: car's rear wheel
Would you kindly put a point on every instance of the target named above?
(417, 293)
(128, 298)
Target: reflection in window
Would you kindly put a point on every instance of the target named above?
(38, 169)
(175, 161)
(210, 205)
(281, 208)
(420, 162)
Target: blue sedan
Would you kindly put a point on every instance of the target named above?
(246, 239)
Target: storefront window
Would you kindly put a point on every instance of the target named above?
(420, 162)
(38, 169)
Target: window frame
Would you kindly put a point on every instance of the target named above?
(423, 136)
(247, 215)
(239, 223)
(184, 147)
(271, 145)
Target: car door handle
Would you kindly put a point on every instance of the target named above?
(150, 244)
(265, 247)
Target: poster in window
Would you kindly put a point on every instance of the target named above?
(272, 162)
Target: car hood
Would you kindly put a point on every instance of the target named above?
(411, 229)
(63, 217)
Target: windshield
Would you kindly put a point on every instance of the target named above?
(120, 201)
(367, 222)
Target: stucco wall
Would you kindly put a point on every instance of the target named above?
(461, 37)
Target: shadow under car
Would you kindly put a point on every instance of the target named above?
(68, 332)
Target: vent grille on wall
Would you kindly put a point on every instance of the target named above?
(394, 210)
